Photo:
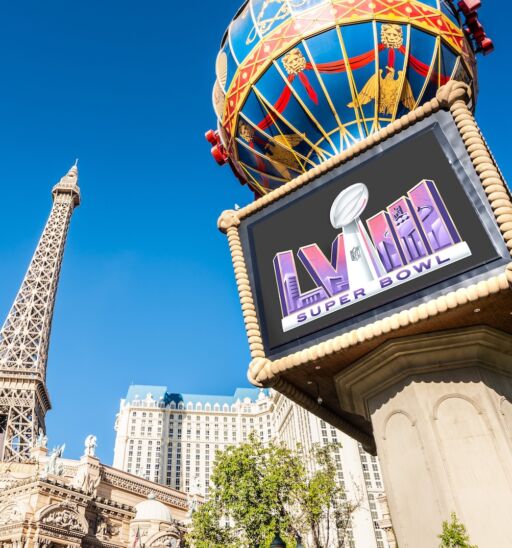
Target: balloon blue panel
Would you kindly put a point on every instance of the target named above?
(268, 15)
(363, 61)
(422, 55)
(272, 87)
(448, 59)
(307, 86)
(241, 34)
(447, 9)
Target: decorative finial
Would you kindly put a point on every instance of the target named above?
(69, 184)
(73, 171)
(151, 496)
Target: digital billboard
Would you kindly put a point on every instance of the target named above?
(404, 219)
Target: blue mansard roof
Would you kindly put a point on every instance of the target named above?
(140, 391)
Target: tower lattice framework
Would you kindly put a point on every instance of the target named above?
(25, 335)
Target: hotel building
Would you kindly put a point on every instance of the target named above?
(172, 439)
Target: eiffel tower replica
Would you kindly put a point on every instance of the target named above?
(25, 335)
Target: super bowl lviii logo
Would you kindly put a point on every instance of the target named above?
(413, 236)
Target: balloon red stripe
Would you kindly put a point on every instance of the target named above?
(340, 66)
(422, 69)
(391, 57)
(279, 105)
(309, 89)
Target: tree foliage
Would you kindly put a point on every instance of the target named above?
(207, 531)
(262, 489)
(325, 510)
(454, 534)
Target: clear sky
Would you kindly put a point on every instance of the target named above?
(147, 294)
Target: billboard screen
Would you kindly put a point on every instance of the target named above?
(402, 221)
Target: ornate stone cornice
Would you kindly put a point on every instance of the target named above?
(114, 508)
(137, 485)
(400, 359)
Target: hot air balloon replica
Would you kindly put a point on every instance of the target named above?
(299, 81)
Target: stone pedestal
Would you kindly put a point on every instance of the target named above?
(441, 409)
(38, 453)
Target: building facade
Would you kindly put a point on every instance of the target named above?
(172, 439)
(53, 502)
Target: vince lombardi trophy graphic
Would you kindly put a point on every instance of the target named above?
(363, 262)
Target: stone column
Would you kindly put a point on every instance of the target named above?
(441, 409)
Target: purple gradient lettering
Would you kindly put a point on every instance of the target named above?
(434, 216)
(290, 295)
(408, 230)
(384, 235)
(331, 275)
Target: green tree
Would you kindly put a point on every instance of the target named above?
(454, 534)
(325, 510)
(263, 489)
(207, 532)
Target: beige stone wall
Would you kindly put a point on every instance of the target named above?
(440, 405)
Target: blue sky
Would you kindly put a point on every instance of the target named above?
(147, 293)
